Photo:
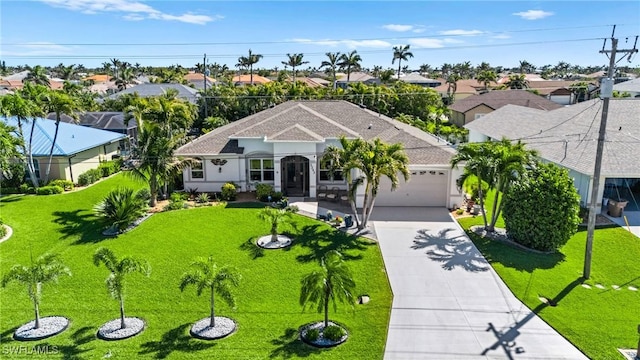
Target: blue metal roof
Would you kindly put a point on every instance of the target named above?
(72, 138)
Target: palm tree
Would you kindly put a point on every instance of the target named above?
(38, 76)
(118, 268)
(124, 79)
(294, 61)
(206, 275)
(10, 146)
(47, 268)
(331, 64)
(60, 103)
(425, 69)
(526, 67)
(275, 218)
(517, 81)
(248, 61)
(486, 77)
(350, 62)
(120, 208)
(68, 72)
(116, 65)
(332, 283)
(452, 81)
(401, 53)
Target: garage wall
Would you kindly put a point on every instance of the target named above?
(427, 187)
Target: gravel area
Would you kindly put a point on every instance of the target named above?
(266, 243)
(224, 327)
(49, 326)
(112, 330)
(322, 341)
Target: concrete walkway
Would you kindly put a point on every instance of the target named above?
(632, 223)
(448, 301)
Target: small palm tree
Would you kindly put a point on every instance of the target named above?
(486, 77)
(275, 217)
(47, 268)
(332, 283)
(118, 269)
(207, 275)
(401, 53)
(349, 62)
(249, 61)
(294, 61)
(120, 208)
(38, 76)
(331, 65)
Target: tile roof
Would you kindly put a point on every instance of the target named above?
(319, 121)
(147, 90)
(498, 98)
(415, 78)
(464, 86)
(355, 77)
(246, 79)
(98, 78)
(72, 138)
(193, 77)
(568, 136)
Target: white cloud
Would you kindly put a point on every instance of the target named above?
(533, 14)
(352, 44)
(501, 36)
(419, 29)
(134, 10)
(426, 43)
(460, 32)
(39, 48)
(397, 27)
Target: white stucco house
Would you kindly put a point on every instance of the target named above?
(283, 145)
(568, 137)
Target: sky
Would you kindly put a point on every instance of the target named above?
(157, 33)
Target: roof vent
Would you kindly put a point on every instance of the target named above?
(370, 126)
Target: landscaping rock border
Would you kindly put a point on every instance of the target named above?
(111, 232)
(8, 234)
(49, 326)
(500, 234)
(224, 327)
(266, 243)
(112, 331)
(321, 342)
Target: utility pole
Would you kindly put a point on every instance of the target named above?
(205, 72)
(606, 93)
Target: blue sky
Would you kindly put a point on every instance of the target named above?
(48, 32)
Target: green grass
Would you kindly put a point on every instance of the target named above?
(596, 321)
(268, 313)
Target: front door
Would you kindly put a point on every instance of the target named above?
(295, 176)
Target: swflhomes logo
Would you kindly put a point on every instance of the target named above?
(30, 350)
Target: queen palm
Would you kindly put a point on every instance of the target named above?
(333, 283)
(116, 65)
(517, 81)
(452, 81)
(294, 60)
(425, 69)
(350, 61)
(60, 103)
(401, 53)
(118, 269)
(47, 268)
(38, 76)
(249, 61)
(331, 64)
(124, 79)
(275, 218)
(206, 275)
(486, 77)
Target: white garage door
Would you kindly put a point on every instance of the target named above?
(425, 188)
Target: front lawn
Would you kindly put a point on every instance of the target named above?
(268, 313)
(597, 321)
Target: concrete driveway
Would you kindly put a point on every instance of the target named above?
(448, 301)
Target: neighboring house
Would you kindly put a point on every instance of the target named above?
(568, 137)
(356, 77)
(240, 80)
(631, 86)
(320, 81)
(417, 79)
(106, 120)
(471, 108)
(282, 146)
(196, 80)
(148, 90)
(78, 148)
(559, 91)
(309, 82)
(465, 88)
(98, 78)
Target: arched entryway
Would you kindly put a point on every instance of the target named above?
(295, 176)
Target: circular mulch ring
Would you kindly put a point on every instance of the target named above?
(49, 326)
(113, 331)
(321, 341)
(9, 232)
(223, 328)
(266, 243)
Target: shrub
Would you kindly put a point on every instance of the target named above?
(120, 208)
(541, 211)
(263, 191)
(192, 192)
(202, 198)
(277, 196)
(144, 194)
(229, 192)
(27, 189)
(108, 168)
(67, 185)
(176, 202)
(312, 334)
(10, 190)
(13, 176)
(459, 211)
(89, 177)
(333, 332)
(3, 231)
(49, 190)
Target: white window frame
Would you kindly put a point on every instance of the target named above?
(193, 170)
(262, 169)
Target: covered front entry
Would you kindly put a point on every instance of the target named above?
(295, 176)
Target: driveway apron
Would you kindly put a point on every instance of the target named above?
(448, 301)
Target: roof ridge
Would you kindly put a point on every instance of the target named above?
(298, 126)
(348, 130)
(46, 134)
(261, 122)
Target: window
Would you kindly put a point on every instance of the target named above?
(36, 168)
(261, 169)
(325, 174)
(197, 169)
